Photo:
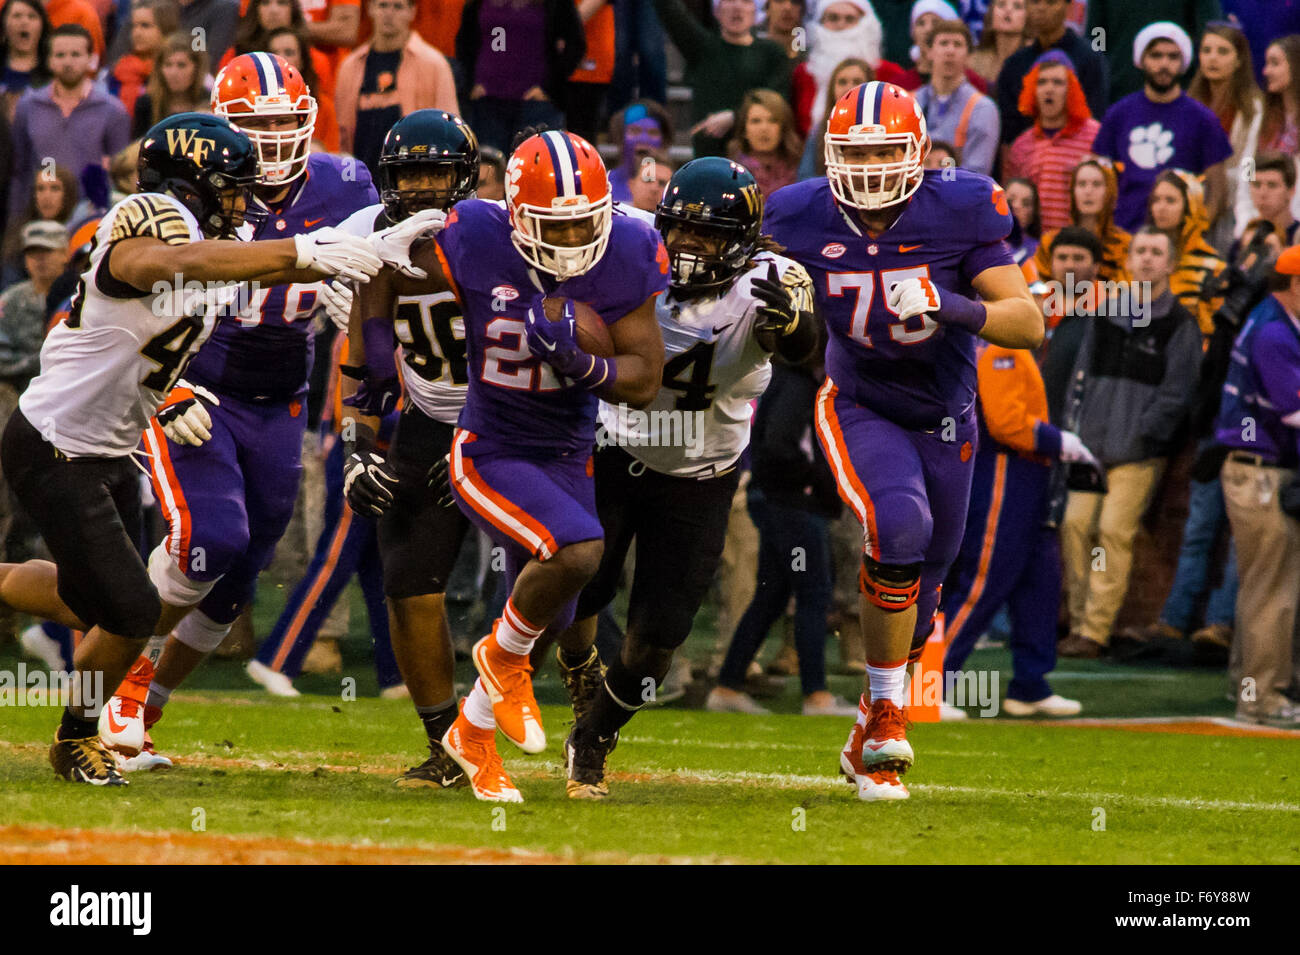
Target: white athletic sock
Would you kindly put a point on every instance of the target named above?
(158, 695)
(514, 633)
(478, 707)
(886, 680)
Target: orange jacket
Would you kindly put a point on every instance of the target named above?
(1013, 402)
(424, 81)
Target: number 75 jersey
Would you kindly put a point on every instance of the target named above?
(915, 372)
(107, 367)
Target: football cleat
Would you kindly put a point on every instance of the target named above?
(507, 677)
(585, 767)
(273, 681)
(880, 784)
(475, 751)
(582, 682)
(121, 725)
(85, 761)
(439, 771)
(885, 744)
(147, 759)
(851, 756)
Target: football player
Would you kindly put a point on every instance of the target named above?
(665, 478)
(521, 457)
(429, 160)
(909, 267)
(106, 368)
(227, 489)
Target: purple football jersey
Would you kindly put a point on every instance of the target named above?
(263, 350)
(514, 397)
(915, 372)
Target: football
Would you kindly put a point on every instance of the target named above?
(593, 333)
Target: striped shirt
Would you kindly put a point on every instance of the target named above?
(1048, 161)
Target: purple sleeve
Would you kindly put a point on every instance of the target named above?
(1276, 355)
(987, 255)
(381, 346)
(1047, 440)
(1104, 144)
(644, 262)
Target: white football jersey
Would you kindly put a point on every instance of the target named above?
(698, 424)
(431, 333)
(107, 368)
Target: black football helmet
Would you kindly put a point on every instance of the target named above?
(207, 164)
(431, 138)
(713, 198)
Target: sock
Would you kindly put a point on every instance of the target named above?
(574, 658)
(864, 709)
(158, 695)
(514, 633)
(73, 726)
(478, 707)
(886, 680)
(620, 698)
(438, 718)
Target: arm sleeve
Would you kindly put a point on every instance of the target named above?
(570, 31)
(1104, 144)
(687, 33)
(21, 190)
(1173, 397)
(982, 139)
(467, 41)
(1276, 356)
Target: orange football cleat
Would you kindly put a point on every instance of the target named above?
(880, 784)
(885, 745)
(475, 751)
(507, 677)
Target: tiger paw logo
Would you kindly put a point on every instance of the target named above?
(514, 172)
(1150, 146)
(1000, 201)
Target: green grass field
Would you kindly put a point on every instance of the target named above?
(690, 785)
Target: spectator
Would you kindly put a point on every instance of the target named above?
(25, 46)
(121, 175)
(1161, 127)
(1225, 83)
(491, 174)
(1062, 134)
(1004, 32)
(44, 246)
(295, 46)
(1009, 555)
(254, 36)
(792, 497)
(381, 81)
(209, 23)
(1122, 21)
(55, 193)
(846, 75)
(72, 121)
(844, 29)
(765, 142)
(590, 81)
(1270, 196)
(178, 84)
(78, 13)
(1075, 255)
(721, 67)
(334, 28)
(1176, 208)
(942, 155)
(522, 83)
(1280, 132)
(1094, 189)
(1263, 22)
(1138, 367)
(1257, 424)
(1045, 22)
(151, 22)
(954, 109)
(642, 131)
(648, 185)
(640, 57)
(1022, 196)
(926, 15)
(782, 18)
(895, 22)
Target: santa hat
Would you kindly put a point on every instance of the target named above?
(818, 7)
(942, 8)
(1162, 30)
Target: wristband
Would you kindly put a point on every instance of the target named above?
(960, 311)
(378, 339)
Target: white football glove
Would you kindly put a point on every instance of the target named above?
(1073, 450)
(911, 297)
(186, 421)
(334, 252)
(393, 244)
(337, 295)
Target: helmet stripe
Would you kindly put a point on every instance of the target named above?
(877, 93)
(562, 159)
(267, 73)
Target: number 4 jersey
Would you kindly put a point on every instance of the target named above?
(915, 373)
(107, 367)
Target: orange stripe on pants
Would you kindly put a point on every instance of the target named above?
(322, 578)
(986, 548)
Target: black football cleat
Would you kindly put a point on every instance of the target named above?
(85, 760)
(582, 682)
(439, 771)
(585, 765)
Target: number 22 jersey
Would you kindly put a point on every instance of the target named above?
(915, 372)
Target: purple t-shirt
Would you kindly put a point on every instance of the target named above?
(1148, 138)
(507, 70)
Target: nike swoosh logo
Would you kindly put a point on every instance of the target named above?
(114, 725)
(874, 747)
(722, 328)
(308, 223)
(910, 248)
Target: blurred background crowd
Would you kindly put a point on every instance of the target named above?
(1153, 142)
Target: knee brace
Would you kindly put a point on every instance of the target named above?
(200, 632)
(172, 585)
(891, 587)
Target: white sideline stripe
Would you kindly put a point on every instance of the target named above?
(784, 747)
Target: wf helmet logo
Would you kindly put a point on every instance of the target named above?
(188, 143)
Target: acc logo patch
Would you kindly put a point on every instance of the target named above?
(833, 250)
(1007, 362)
(507, 293)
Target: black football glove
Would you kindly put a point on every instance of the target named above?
(440, 482)
(368, 484)
(777, 313)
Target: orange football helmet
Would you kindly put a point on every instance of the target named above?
(873, 115)
(557, 177)
(263, 84)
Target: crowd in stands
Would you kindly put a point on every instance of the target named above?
(1153, 142)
